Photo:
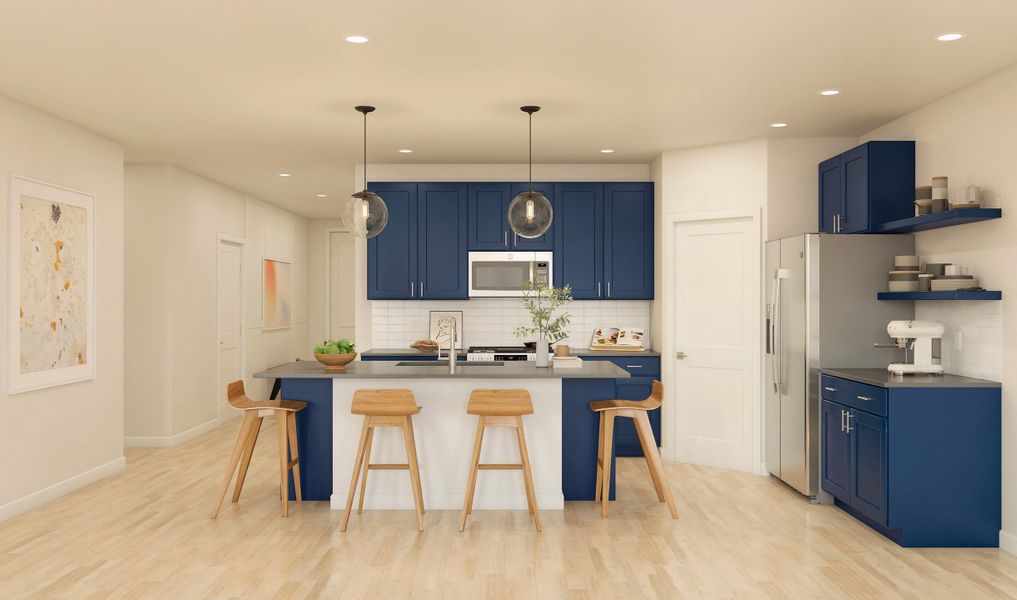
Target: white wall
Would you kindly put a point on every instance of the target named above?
(792, 182)
(174, 218)
(57, 439)
(971, 137)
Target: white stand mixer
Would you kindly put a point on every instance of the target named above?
(916, 336)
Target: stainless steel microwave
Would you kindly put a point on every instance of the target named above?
(507, 274)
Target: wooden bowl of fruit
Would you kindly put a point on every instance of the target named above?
(335, 355)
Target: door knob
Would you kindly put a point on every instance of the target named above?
(681, 356)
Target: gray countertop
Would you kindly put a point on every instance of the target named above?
(310, 369)
(575, 352)
(883, 378)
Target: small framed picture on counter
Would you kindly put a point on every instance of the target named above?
(440, 329)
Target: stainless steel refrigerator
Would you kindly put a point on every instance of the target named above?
(821, 311)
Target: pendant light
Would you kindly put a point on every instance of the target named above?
(365, 214)
(530, 212)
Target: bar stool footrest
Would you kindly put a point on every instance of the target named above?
(387, 466)
(500, 466)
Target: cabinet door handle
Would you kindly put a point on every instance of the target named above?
(413, 288)
(608, 289)
(515, 239)
(421, 289)
(842, 421)
(830, 389)
(504, 238)
(849, 427)
(598, 289)
(864, 398)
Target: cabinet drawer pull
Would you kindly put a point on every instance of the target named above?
(864, 398)
(830, 389)
(633, 366)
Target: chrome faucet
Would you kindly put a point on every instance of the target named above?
(450, 326)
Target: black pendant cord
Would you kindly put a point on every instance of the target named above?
(531, 156)
(365, 110)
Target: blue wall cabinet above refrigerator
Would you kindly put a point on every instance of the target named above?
(921, 465)
(579, 239)
(391, 255)
(422, 252)
(867, 186)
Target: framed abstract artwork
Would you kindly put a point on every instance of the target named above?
(51, 323)
(277, 294)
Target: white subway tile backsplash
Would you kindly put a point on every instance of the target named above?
(396, 323)
(980, 325)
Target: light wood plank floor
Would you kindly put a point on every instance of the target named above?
(145, 533)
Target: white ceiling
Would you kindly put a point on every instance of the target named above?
(239, 90)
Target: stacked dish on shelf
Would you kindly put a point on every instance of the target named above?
(904, 276)
(908, 276)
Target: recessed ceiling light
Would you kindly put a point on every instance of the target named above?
(778, 125)
(323, 195)
(405, 150)
(607, 151)
(829, 92)
(284, 174)
(356, 39)
(950, 37)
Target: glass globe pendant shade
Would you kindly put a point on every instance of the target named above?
(530, 214)
(365, 214)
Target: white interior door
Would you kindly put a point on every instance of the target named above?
(230, 321)
(715, 353)
(342, 307)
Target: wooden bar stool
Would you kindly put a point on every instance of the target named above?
(500, 408)
(254, 413)
(385, 408)
(635, 410)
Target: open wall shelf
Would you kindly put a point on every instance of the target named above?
(986, 295)
(948, 218)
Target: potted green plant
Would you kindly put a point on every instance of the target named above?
(335, 355)
(543, 302)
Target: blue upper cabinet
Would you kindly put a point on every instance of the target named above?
(579, 239)
(488, 216)
(628, 241)
(391, 255)
(544, 243)
(441, 241)
(867, 186)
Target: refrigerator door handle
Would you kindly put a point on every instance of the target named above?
(771, 333)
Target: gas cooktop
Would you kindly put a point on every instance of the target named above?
(499, 353)
(500, 349)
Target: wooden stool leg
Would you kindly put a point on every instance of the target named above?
(284, 462)
(646, 443)
(471, 481)
(608, 446)
(600, 459)
(291, 431)
(411, 458)
(238, 447)
(367, 469)
(420, 492)
(245, 461)
(356, 476)
(653, 458)
(524, 455)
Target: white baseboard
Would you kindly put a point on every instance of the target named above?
(60, 488)
(1007, 542)
(452, 502)
(169, 441)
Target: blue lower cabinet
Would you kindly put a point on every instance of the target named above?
(644, 370)
(580, 435)
(925, 474)
(836, 451)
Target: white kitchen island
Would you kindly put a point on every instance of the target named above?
(560, 434)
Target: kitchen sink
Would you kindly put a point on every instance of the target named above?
(444, 363)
